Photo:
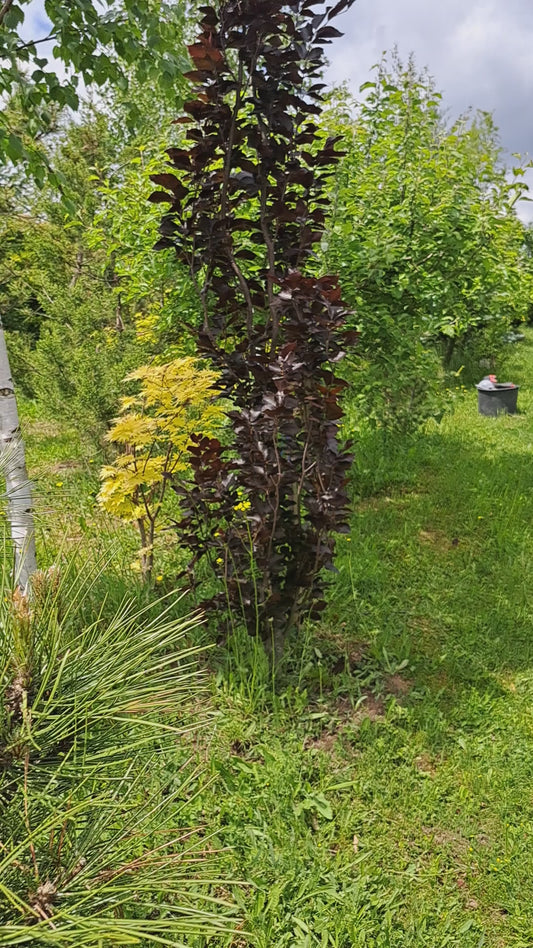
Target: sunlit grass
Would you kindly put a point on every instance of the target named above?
(380, 795)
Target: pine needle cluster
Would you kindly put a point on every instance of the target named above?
(94, 849)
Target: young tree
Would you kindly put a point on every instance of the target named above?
(248, 207)
(154, 431)
(18, 490)
(425, 237)
(131, 39)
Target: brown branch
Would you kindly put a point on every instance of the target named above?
(44, 39)
(276, 495)
(167, 470)
(224, 198)
(246, 292)
(149, 515)
(305, 470)
(271, 256)
(5, 10)
(231, 140)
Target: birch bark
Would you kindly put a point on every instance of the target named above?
(13, 468)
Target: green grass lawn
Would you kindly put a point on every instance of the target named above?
(382, 795)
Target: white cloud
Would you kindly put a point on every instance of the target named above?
(36, 23)
(479, 52)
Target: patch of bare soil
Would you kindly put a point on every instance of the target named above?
(398, 686)
(438, 540)
(425, 765)
(400, 498)
(347, 654)
(371, 708)
(42, 429)
(325, 742)
(63, 466)
(448, 840)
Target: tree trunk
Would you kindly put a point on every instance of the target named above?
(449, 351)
(147, 549)
(13, 468)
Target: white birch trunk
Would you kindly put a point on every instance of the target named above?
(13, 468)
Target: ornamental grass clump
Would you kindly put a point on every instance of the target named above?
(94, 848)
(247, 212)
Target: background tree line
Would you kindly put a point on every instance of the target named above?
(423, 230)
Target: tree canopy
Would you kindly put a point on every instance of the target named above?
(425, 235)
(80, 42)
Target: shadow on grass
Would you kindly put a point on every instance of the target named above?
(436, 576)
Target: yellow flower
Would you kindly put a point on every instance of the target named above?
(159, 579)
(244, 505)
(59, 484)
(220, 560)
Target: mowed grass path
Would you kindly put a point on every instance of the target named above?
(386, 798)
(382, 797)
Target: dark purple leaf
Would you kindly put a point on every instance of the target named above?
(161, 197)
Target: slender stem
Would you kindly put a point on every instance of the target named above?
(224, 197)
(147, 554)
(44, 39)
(78, 269)
(231, 142)
(246, 293)
(27, 815)
(276, 495)
(271, 254)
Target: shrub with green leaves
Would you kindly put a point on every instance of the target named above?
(81, 358)
(127, 44)
(425, 236)
(82, 295)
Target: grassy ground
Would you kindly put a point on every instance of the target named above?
(383, 794)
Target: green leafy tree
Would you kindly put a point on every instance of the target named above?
(150, 288)
(57, 296)
(425, 236)
(129, 38)
(99, 43)
(84, 298)
(154, 431)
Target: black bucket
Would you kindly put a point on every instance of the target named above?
(498, 400)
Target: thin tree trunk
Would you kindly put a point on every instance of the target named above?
(147, 549)
(13, 468)
(449, 351)
(78, 270)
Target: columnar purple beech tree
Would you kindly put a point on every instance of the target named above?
(247, 210)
